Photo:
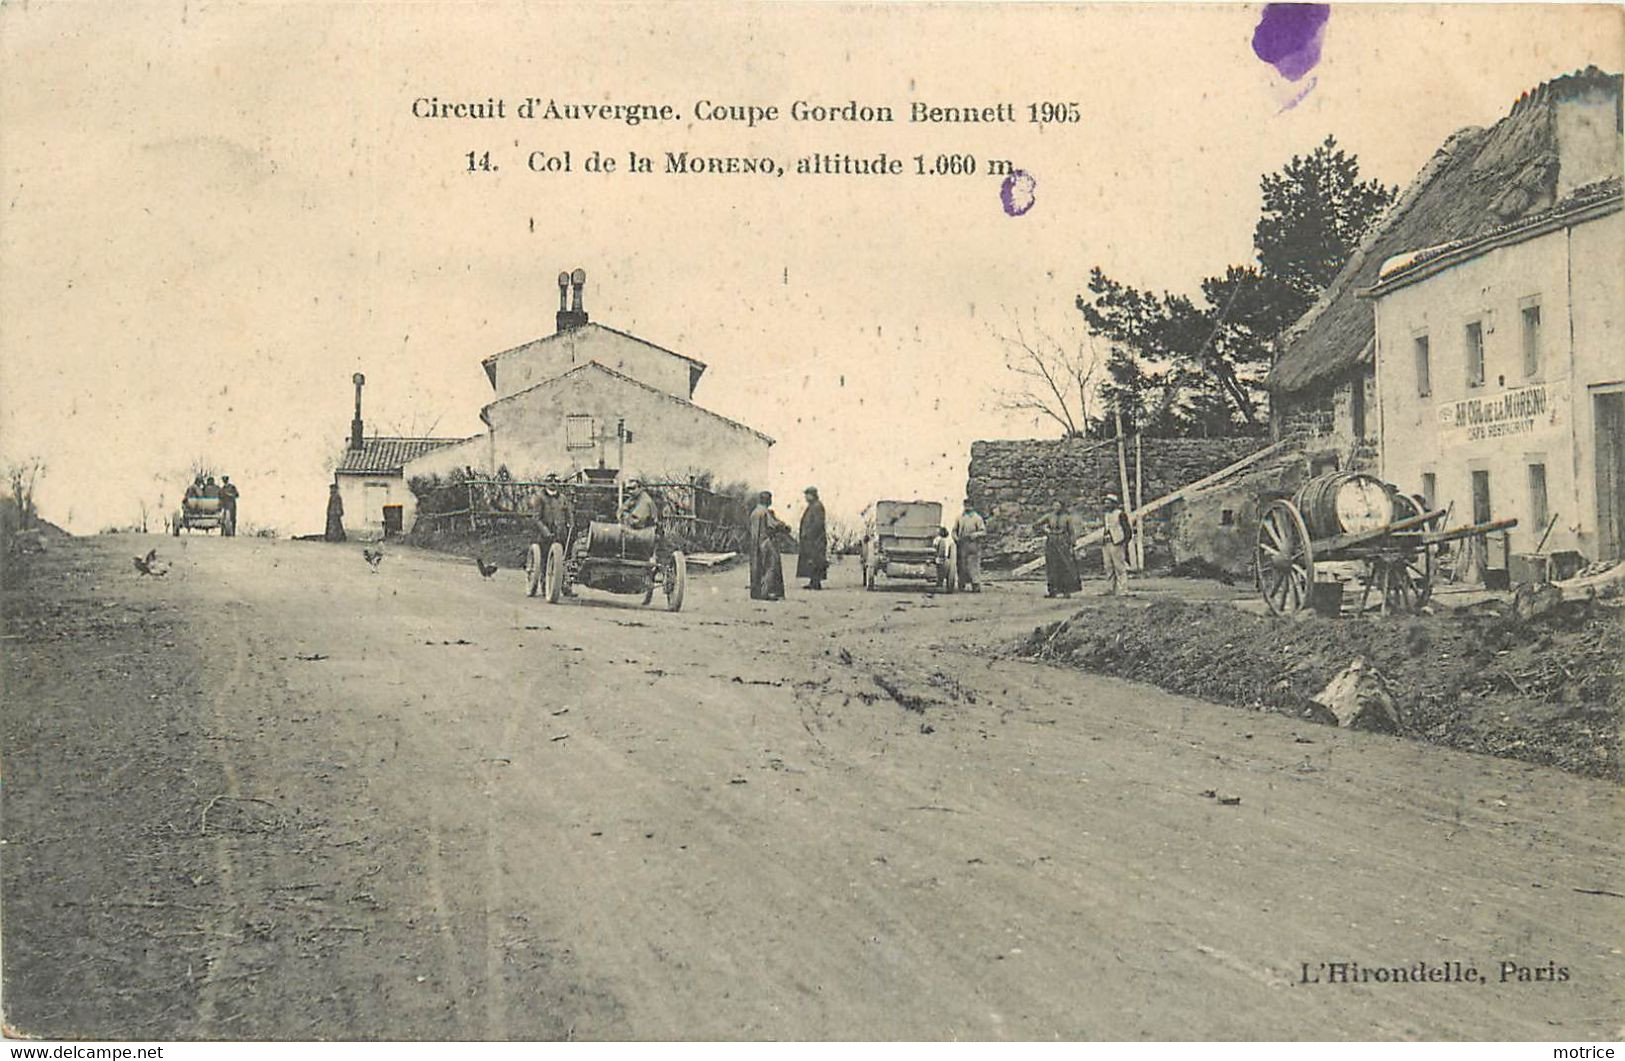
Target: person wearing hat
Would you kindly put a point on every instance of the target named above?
(1114, 539)
(637, 508)
(766, 569)
(552, 517)
(335, 514)
(970, 529)
(228, 502)
(812, 560)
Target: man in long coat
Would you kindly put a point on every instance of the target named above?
(1061, 529)
(335, 515)
(766, 569)
(812, 562)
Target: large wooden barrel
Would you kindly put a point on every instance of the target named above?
(1344, 503)
(616, 540)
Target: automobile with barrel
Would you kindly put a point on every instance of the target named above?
(598, 551)
(1352, 518)
(900, 541)
(201, 513)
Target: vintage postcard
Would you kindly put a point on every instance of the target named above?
(812, 521)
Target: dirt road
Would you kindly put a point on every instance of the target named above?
(276, 794)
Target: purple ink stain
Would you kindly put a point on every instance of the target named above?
(1018, 193)
(1288, 37)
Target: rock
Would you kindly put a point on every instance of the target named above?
(1535, 599)
(1357, 698)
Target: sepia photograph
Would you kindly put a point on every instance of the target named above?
(813, 522)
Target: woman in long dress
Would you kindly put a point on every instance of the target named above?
(335, 515)
(766, 568)
(1061, 530)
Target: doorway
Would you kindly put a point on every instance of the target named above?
(1608, 414)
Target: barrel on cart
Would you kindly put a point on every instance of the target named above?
(1352, 517)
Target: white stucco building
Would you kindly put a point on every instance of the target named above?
(591, 396)
(1500, 374)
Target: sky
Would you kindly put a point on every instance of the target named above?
(215, 214)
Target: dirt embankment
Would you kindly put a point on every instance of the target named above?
(1546, 691)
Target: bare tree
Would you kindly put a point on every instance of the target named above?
(23, 475)
(1057, 379)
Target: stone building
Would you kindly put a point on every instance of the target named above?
(591, 396)
(371, 477)
(1560, 137)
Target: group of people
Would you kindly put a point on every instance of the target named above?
(766, 531)
(1062, 530)
(205, 486)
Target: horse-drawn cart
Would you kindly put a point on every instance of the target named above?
(1351, 517)
(599, 552)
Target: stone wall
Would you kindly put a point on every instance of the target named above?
(1013, 482)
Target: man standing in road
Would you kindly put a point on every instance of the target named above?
(335, 514)
(812, 560)
(766, 569)
(969, 531)
(228, 501)
(1114, 539)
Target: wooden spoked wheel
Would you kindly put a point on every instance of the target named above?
(1285, 558)
(676, 582)
(534, 565)
(553, 574)
(1422, 567)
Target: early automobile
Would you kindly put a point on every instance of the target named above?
(903, 540)
(204, 514)
(599, 552)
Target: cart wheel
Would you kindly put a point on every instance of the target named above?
(1285, 558)
(676, 582)
(534, 566)
(554, 574)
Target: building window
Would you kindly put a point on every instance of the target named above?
(1430, 490)
(1227, 517)
(1424, 371)
(578, 432)
(1538, 515)
(1475, 354)
(1531, 340)
(1357, 408)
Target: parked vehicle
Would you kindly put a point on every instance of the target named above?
(900, 541)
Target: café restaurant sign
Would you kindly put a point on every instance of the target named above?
(1519, 412)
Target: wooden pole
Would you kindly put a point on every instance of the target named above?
(1122, 461)
(1139, 521)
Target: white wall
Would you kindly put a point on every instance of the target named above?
(669, 437)
(555, 355)
(1512, 420)
(363, 494)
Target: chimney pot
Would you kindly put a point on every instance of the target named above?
(355, 425)
(575, 316)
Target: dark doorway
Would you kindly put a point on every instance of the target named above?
(1481, 497)
(392, 521)
(1608, 412)
(1357, 407)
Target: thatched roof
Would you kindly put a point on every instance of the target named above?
(1479, 181)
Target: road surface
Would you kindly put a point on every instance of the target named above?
(278, 795)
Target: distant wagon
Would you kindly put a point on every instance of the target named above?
(599, 552)
(202, 514)
(900, 542)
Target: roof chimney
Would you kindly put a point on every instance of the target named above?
(355, 425)
(570, 285)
